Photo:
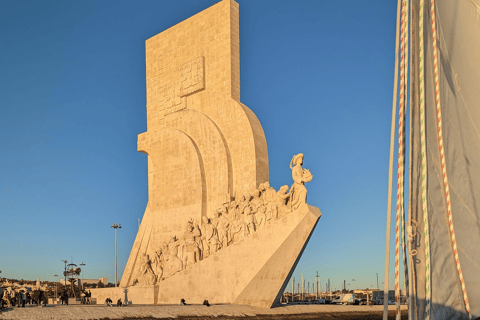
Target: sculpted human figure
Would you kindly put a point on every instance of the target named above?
(147, 276)
(172, 263)
(249, 220)
(159, 263)
(257, 200)
(232, 210)
(281, 198)
(209, 238)
(227, 221)
(261, 188)
(222, 225)
(261, 217)
(249, 210)
(269, 193)
(236, 220)
(242, 202)
(191, 252)
(258, 203)
(298, 192)
(269, 199)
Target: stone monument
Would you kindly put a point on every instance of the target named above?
(213, 227)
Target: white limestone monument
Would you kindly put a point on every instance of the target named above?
(213, 228)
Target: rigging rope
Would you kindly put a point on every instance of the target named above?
(402, 221)
(401, 154)
(390, 170)
(428, 285)
(442, 157)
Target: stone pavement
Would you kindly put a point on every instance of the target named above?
(175, 311)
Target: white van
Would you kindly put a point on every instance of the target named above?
(346, 298)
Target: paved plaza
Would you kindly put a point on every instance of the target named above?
(197, 312)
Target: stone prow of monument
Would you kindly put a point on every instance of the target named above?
(206, 149)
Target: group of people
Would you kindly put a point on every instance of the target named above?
(11, 298)
(109, 302)
(233, 220)
(86, 297)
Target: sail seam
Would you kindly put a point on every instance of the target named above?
(426, 234)
(442, 157)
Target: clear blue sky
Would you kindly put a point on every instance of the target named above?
(318, 74)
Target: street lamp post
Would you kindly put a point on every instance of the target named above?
(82, 264)
(65, 273)
(56, 285)
(116, 226)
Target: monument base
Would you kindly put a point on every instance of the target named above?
(252, 271)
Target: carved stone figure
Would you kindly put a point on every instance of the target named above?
(261, 217)
(261, 188)
(159, 262)
(298, 192)
(242, 202)
(228, 225)
(269, 193)
(222, 225)
(191, 251)
(257, 200)
(249, 210)
(269, 199)
(236, 221)
(232, 210)
(281, 199)
(209, 238)
(172, 263)
(147, 276)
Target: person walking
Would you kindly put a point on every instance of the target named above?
(65, 297)
(40, 297)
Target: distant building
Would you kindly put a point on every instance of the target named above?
(378, 295)
(103, 280)
(362, 293)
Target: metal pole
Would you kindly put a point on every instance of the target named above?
(65, 273)
(293, 288)
(82, 264)
(56, 286)
(303, 284)
(115, 257)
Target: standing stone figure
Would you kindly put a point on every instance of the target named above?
(298, 192)
(191, 253)
(281, 199)
(249, 210)
(261, 217)
(269, 196)
(223, 227)
(159, 262)
(147, 276)
(236, 220)
(172, 263)
(209, 238)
